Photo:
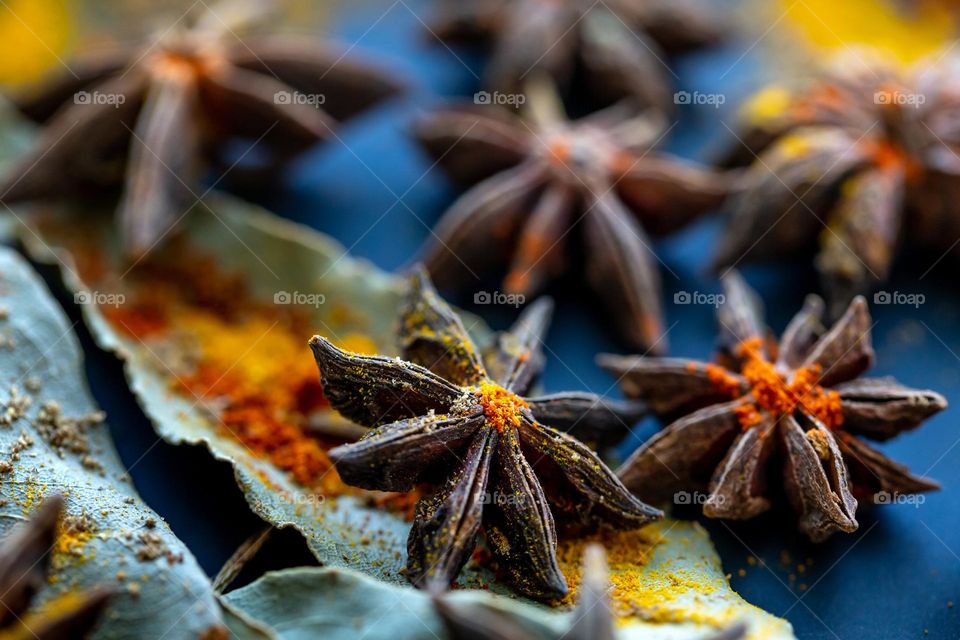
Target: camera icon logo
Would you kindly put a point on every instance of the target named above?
(682, 297)
(881, 297)
(682, 97)
(482, 297)
(282, 97)
(482, 97)
(282, 297)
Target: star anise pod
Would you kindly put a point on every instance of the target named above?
(156, 118)
(592, 618)
(598, 51)
(798, 408)
(459, 421)
(556, 189)
(861, 161)
(24, 563)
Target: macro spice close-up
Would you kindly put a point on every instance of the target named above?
(448, 319)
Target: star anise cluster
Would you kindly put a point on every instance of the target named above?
(459, 421)
(600, 52)
(24, 564)
(592, 618)
(798, 409)
(155, 119)
(851, 166)
(553, 195)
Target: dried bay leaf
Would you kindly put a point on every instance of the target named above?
(53, 440)
(680, 593)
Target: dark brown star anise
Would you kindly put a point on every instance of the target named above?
(155, 118)
(859, 162)
(599, 51)
(798, 408)
(592, 618)
(555, 189)
(448, 417)
(24, 563)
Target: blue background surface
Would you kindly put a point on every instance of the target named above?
(891, 579)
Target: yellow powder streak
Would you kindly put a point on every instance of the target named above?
(651, 594)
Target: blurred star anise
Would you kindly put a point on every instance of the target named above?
(24, 563)
(592, 619)
(600, 52)
(797, 408)
(556, 189)
(156, 118)
(859, 162)
(448, 417)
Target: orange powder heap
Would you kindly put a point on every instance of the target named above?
(559, 149)
(257, 371)
(821, 97)
(890, 157)
(244, 362)
(721, 379)
(772, 392)
(501, 407)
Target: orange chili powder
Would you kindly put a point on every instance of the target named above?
(501, 407)
(890, 157)
(770, 391)
(821, 96)
(559, 149)
(722, 380)
(245, 361)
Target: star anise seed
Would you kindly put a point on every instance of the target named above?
(440, 418)
(799, 407)
(860, 161)
(606, 51)
(542, 191)
(156, 118)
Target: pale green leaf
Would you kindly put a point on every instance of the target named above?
(116, 540)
